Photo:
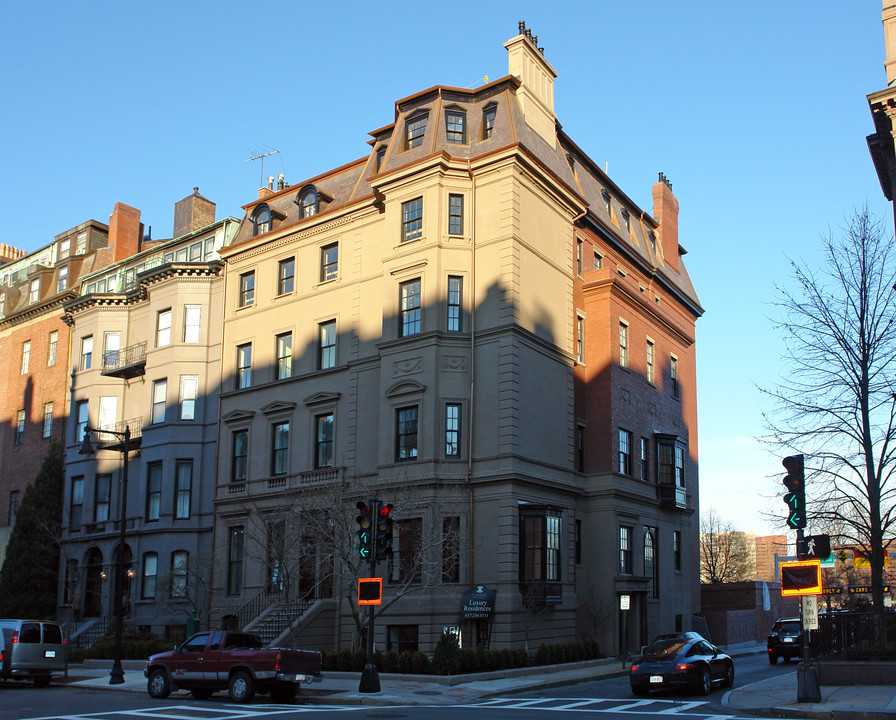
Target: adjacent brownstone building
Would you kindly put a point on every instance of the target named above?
(35, 344)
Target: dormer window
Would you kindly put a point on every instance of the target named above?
(415, 129)
(456, 126)
(606, 196)
(627, 218)
(488, 121)
(380, 156)
(34, 291)
(261, 220)
(308, 202)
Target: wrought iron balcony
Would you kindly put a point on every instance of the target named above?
(110, 437)
(127, 363)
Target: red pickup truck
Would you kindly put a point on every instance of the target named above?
(219, 659)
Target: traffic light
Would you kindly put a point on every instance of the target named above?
(365, 530)
(384, 532)
(795, 482)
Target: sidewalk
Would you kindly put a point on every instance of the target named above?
(775, 697)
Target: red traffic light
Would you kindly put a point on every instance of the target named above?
(385, 510)
(363, 507)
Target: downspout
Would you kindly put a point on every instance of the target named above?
(211, 578)
(472, 357)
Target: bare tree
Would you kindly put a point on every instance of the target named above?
(307, 542)
(835, 403)
(185, 588)
(724, 552)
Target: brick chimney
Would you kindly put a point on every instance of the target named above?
(125, 231)
(192, 213)
(8, 253)
(665, 212)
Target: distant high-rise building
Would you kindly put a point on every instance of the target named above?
(767, 547)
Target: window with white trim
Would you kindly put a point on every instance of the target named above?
(189, 391)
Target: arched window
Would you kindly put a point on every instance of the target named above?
(651, 567)
(262, 220)
(308, 201)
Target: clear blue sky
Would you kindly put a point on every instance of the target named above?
(755, 111)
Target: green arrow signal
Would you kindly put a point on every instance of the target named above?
(363, 546)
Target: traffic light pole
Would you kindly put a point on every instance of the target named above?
(807, 688)
(370, 677)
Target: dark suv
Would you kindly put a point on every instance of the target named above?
(784, 640)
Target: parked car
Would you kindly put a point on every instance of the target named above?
(784, 640)
(32, 650)
(685, 660)
(236, 661)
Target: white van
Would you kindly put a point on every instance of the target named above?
(32, 650)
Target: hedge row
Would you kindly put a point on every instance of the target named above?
(134, 646)
(449, 659)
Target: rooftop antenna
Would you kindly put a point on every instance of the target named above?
(261, 157)
(484, 79)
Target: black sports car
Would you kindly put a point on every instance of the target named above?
(683, 661)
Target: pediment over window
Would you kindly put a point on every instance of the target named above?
(238, 416)
(405, 387)
(278, 407)
(319, 398)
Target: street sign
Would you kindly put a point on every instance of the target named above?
(801, 578)
(864, 589)
(810, 612)
(832, 590)
(625, 602)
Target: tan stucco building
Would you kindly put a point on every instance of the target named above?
(476, 324)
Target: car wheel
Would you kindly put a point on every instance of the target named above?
(772, 659)
(705, 682)
(729, 676)
(284, 694)
(158, 686)
(242, 687)
(201, 693)
(42, 681)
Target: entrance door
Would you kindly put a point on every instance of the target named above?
(632, 624)
(93, 583)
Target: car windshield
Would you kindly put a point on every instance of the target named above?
(664, 649)
(791, 628)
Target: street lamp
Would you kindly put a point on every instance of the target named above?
(116, 677)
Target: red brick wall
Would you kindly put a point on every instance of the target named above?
(19, 464)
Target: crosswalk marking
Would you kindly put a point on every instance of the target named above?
(196, 712)
(652, 706)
